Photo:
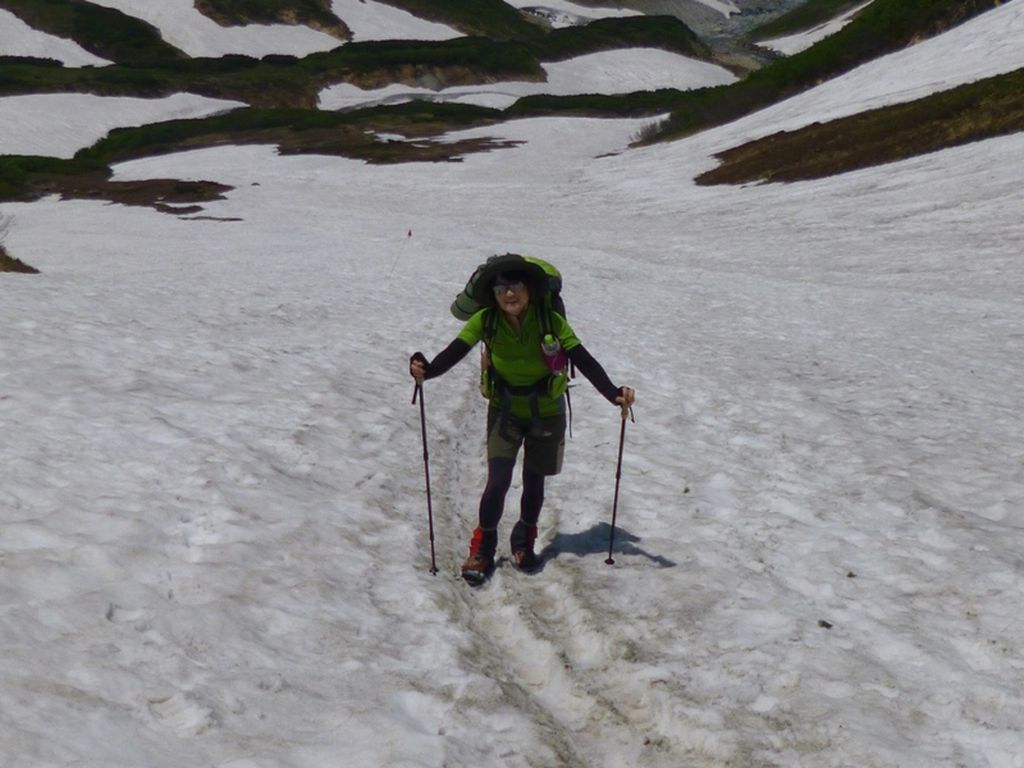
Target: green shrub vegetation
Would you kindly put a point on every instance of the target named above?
(487, 18)
(272, 126)
(25, 177)
(666, 32)
(282, 91)
(104, 32)
(293, 131)
(316, 14)
(636, 104)
(289, 82)
(490, 59)
(972, 112)
(804, 17)
(284, 81)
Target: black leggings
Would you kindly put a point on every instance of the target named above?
(499, 480)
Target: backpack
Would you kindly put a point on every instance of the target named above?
(547, 284)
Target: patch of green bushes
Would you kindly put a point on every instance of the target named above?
(278, 80)
(636, 104)
(172, 135)
(971, 112)
(288, 81)
(805, 16)
(34, 61)
(489, 57)
(421, 117)
(665, 32)
(350, 134)
(27, 176)
(312, 13)
(487, 18)
(104, 32)
(268, 125)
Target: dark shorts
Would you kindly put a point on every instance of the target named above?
(544, 441)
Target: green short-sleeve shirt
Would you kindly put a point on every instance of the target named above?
(517, 357)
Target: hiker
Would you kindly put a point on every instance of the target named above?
(526, 399)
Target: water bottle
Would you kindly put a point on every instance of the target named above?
(554, 356)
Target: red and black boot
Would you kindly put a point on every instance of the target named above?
(523, 538)
(480, 564)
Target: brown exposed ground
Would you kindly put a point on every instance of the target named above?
(10, 264)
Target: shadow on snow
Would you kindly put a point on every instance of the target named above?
(594, 541)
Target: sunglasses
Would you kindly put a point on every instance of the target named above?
(517, 286)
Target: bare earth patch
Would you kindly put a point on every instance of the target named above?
(10, 264)
(165, 195)
(315, 14)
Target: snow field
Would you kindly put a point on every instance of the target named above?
(19, 39)
(215, 534)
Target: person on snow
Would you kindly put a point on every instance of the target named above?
(526, 402)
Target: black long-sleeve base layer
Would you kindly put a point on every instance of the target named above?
(448, 357)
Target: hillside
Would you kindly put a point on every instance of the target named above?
(522, 47)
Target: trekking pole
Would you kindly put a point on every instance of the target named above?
(418, 393)
(399, 252)
(618, 476)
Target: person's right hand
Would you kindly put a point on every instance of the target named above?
(625, 400)
(418, 367)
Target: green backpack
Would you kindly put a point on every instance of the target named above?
(474, 297)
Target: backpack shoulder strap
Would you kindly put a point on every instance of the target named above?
(546, 326)
(490, 326)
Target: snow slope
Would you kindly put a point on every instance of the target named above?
(725, 8)
(791, 44)
(184, 27)
(561, 13)
(58, 125)
(198, 35)
(19, 39)
(988, 45)
(215, 545)
(375, 21)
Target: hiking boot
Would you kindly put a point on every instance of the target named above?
(480, 563)
(521, 543)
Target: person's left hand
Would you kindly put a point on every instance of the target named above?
(626, 398)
